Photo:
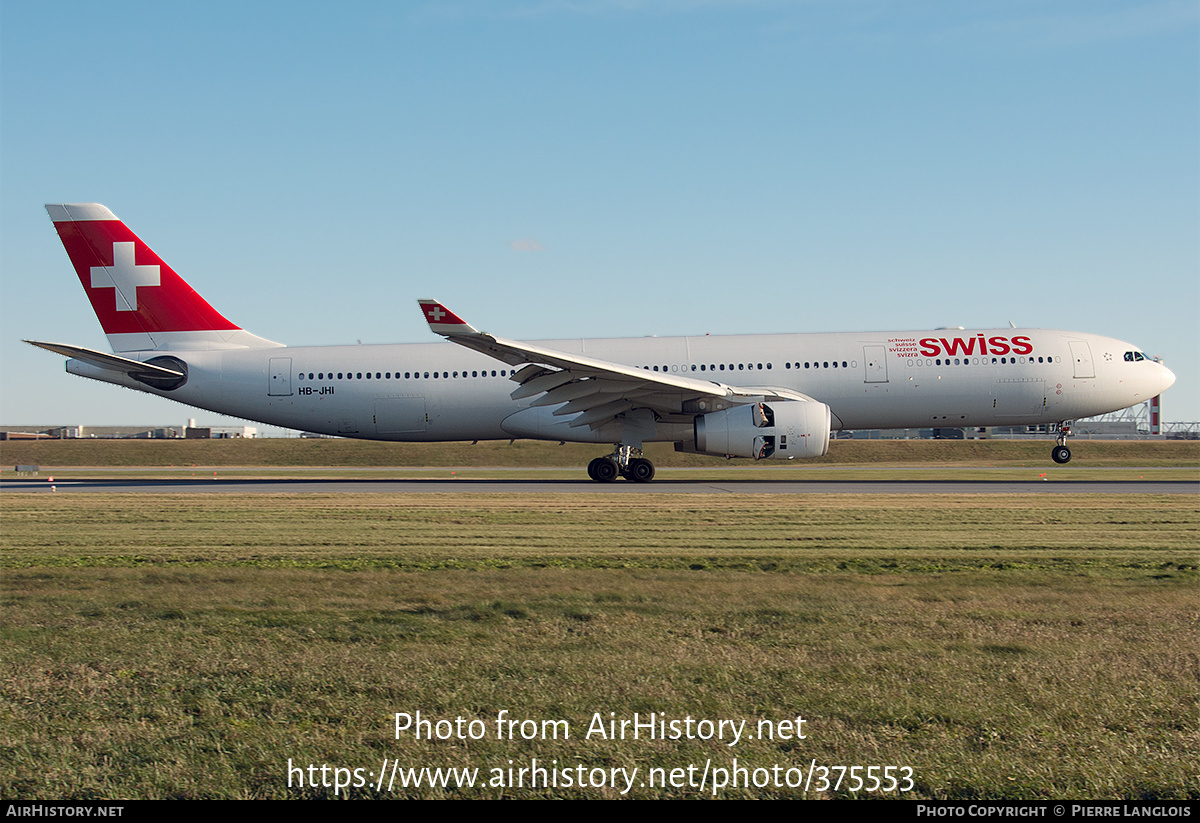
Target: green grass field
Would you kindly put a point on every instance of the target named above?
(283, 453)
(998, 647)
(848, 460)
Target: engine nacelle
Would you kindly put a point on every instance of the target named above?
(781, 430)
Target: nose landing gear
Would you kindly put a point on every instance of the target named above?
(1060, 453)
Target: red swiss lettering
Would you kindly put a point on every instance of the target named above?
(958, 344)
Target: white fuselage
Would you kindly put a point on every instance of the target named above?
(876, 380)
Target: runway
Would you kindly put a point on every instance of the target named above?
(724, 485)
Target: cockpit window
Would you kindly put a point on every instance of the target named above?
(1133, 356)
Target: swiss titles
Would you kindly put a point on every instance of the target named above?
(979, 344)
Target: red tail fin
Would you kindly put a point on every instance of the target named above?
(140, 301)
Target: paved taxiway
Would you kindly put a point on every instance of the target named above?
(729, 485)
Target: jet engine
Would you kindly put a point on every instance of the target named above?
(780, 430)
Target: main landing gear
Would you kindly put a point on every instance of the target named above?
(625, 461)
(1060, 453)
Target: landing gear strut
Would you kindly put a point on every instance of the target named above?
(1060, 453)
(625, 461)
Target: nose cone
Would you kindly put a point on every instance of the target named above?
(1164, 379)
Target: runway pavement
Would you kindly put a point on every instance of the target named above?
(731, 485)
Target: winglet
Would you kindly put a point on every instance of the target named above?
(443, 321)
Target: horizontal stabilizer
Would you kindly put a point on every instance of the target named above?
(112, 362)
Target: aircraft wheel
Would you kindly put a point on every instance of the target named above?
(1061, 454)
(641, 470)
(603, 470)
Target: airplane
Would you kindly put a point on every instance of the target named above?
(758, 396)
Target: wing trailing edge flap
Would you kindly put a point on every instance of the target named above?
(642, 396)
(542, 383)
(568, 392)
(598, 415)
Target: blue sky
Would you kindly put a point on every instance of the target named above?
(606, 168)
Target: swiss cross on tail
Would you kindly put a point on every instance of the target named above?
(124, 276)
(442, 320)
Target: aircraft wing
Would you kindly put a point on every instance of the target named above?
(596, 390)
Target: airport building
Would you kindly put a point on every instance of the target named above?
(189, 431)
